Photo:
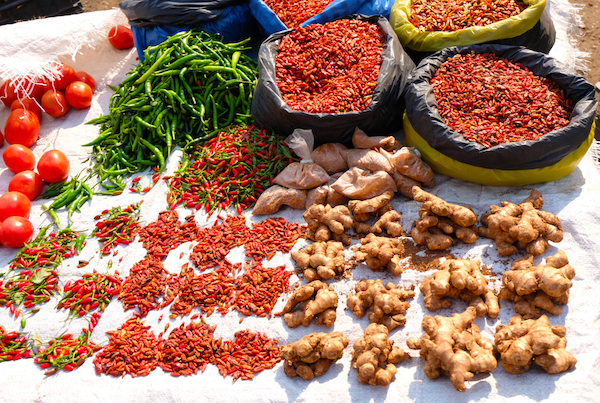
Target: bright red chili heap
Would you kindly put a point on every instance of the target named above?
(491, 101)
(330, 68)
(452, 15)
(294, 12)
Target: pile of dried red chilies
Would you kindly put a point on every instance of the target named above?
(91, 291)
(330, 68)
(292, 13)
(189, 349)
(117, 226)
(248, 354)
(167, 233)
(452, 15)
(271, 236)
(216, 242)
(231, 169)
(491, 100)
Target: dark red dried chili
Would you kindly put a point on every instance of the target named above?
(294, 12)
(248, 354)
(189, 349)
(167, 233)
(490, 100)
(330, 68)
(215, 243)
(270, 236)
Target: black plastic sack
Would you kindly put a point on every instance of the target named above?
(382, 116)
(147, 13)
(540, 38)
(549, 149)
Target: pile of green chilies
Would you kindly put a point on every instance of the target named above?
(188, 88)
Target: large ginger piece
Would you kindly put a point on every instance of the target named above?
(521, 226)
(380, 253)
(326, 222)
(361, 208)
(439, 219)
(388, 218)
(523, 341)
(311, 355)
(459, 278)
(374, 356)
(321, 260)
(543, 286)
(453, 346)
(387, 304)
(317, 300)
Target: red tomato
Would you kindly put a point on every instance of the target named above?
(86, 78)
(27, 182)
(18, 158)
(53, 166)
(7, 93)
(1, 139)
(54, 103)
(30, 88)
(27, 103)
(79, 95)
(121, 37)
(14, 204)
(22, 127)
(66, 77)
(15, 232)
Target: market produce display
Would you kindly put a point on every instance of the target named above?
(381, 253)
(294, 13)
(312, 354)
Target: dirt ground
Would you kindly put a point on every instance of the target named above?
(588, 42)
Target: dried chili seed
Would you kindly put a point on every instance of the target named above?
(259, 288)
(132, 349)
(490, 100)
(167, 233)
(189, 349)
(248, 354)
(294, 12)
(452, 15)
(330, 68)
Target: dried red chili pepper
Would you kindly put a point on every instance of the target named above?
(215, 243)
(167, 233)
(189, 349)
(132, 349)
(452, 15)
(491, 100)
(330, 68)
(294, 12)
(249, 353)
(272, 235)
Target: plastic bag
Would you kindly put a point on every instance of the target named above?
(512, 31)
(234, 24)
(547, 158)
(331, 156)
(362, 184)
(304, 174)
(375, 7)
(270, 23)
(368, 159)
(381, 116)
(275, 197)
(360, 139)
(409, 163)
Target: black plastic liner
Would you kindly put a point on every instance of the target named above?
(422, 112)
(382, 116)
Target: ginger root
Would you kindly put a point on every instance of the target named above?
(374, 356)
(361, 140)
(321, 260)
(312, 354)
(453, 346)
(522, 342)
(326, 222)
(317, 300)
(387, 304)
(380, 253)
(439, 219)
(459, 278)
(521, 226)
(543, 286)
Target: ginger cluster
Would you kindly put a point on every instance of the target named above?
(312, 354)
(326, 222)
(316, 300)
(321, 260)
(381, 253)
(388, 219)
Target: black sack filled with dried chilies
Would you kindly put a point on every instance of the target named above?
(547, 158)
(381, 116)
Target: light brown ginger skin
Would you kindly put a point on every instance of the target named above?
(453, 346)
(543, 286)
(325, 222)
(321, 260)
(389, 221)
(361, 208)
(374, 356)
(315, 298)
(522, 342)
(381, 253)
(459, 278)
(433, 237)
(386, 304)
(312, 354)
(463, 216)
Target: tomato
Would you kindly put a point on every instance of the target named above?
(29, 88)
(27, 182)
(22, 127)
(1, 139)
(54, 103)
(15, 232)
(27, 103)
(18, 158)
(121, 37)
(53, 166)
(86, 78)
(79, 95)
(66, 75)
(14, 204)
(8, 93)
